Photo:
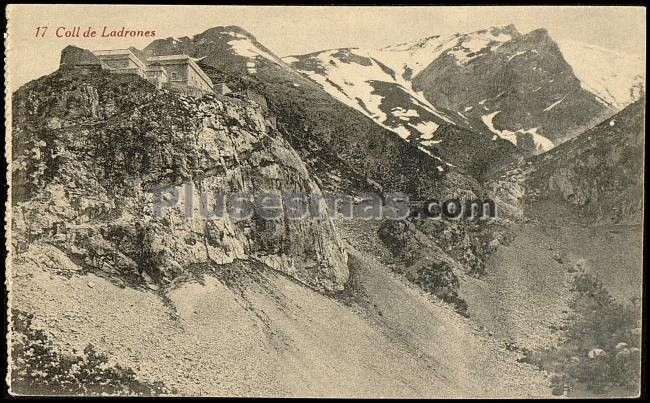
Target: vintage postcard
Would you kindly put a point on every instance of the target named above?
(407, 202)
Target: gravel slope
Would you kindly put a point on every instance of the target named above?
(269, 336)
(523, 298)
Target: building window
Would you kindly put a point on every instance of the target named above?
(174, 75)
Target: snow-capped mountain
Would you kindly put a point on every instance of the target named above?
(497, 81)
(521, 90)
(618, 79)
(410, 58)
(378, 83)
(356, 78)
(228, 48)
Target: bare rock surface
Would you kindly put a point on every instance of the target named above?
(91, 164)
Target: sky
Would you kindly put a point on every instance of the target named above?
(298, 30)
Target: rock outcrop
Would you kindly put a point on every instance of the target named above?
(72, 56)
(598, 172)
(93, 154)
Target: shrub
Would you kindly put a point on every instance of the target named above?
(598, 322)
(38, 369)
(439, 279)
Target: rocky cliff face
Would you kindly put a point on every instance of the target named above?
(91, 153)
(595, 176)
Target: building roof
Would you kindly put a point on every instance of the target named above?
(168, 57)
(119, 52)
(105, 52)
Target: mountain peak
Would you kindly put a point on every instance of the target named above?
(509, 29)
(227, 47)
(499, 33)
(231, 30)
(539, 33)
(540, 38)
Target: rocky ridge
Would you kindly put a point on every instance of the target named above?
(91, 154)
(595, 177)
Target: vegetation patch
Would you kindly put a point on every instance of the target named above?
(601, 351)
(38, 369)
(420, 266)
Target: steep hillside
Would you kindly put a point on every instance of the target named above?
(580, 207)
(254, 332)
(568, 277)
(595, 177)
(331, 137)
(587, 195)
(94, 153)
(598, 175)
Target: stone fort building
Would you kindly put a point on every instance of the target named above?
(175, 72)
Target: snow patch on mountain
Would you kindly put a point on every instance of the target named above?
(357, 79)
(412, 57)
(506, 135)
(554, 104)
(402, 131)
(615, 78)
(521, 52)
(426, 128)
(244, 46)
(336, 78)
(430, 143)
(402, 113)
(408, 59)
(540, 143)
(470, 47)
